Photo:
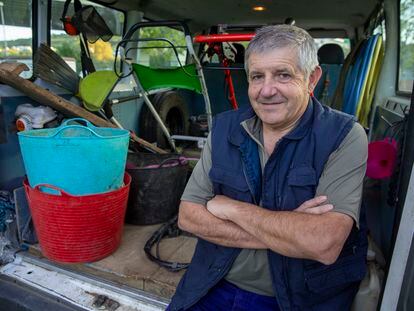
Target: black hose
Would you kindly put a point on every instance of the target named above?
(170, 229)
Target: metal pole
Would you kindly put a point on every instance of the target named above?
(4, 28)
(154, 112)
(190, 48)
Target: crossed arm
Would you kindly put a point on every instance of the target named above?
(311, 231)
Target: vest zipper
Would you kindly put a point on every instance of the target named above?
(248, 183)
(280, 208)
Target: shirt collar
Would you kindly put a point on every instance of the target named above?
(303, 126)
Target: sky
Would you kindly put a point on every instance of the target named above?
(13, 32)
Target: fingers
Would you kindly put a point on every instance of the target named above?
(312, 203)
(318, 210)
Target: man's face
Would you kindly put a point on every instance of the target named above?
(278, 90)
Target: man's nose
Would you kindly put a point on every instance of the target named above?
(268, 89)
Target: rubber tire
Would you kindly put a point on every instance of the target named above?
(173, 111)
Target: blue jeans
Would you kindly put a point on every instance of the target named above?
(228, 297)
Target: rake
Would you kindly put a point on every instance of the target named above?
(51, 68)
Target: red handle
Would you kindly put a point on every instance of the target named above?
(226, 37)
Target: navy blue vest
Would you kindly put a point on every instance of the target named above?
(290, 177)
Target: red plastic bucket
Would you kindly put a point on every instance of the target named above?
(78, 228)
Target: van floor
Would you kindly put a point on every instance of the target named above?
(129, 265)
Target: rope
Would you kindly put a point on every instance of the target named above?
(6, 209)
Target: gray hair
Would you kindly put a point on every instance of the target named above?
(269, 38)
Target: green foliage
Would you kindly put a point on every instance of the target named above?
(18, 42)
(159, 54)
(20, 48)
(17, 12)
(69, 49)
(67, 46)
(406, 44)
(407, 61)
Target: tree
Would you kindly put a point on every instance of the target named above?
(159, 53)
(406, 41)
(102, 51)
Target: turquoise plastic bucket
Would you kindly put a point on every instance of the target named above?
(80, 159)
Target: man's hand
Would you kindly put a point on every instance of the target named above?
(195, 218)
(311, 231)
(315, 206)
(220, 206)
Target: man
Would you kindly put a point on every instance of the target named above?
(275, 198)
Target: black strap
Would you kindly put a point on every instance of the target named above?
(77, 7)
(86, 61)
(170, 229)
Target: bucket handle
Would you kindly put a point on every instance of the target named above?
(175, 162)
(61, 192)
(87, 123)
(63, 128)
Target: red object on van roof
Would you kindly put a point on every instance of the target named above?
(224, 37)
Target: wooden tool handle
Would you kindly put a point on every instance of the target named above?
(144, 143)
(48, 98)
(14, 67)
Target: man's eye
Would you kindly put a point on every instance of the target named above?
(255, 77)
(284, 76)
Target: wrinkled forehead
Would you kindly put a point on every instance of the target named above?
(284, 56)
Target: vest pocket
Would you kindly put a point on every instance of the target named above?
(302, 181)
(348, 269)
(229, 183)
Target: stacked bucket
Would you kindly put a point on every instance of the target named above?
(77, 188)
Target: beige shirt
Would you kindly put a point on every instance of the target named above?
(341, 181)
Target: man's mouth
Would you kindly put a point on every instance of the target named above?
(271, 103)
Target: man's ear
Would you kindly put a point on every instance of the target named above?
(314, 78)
